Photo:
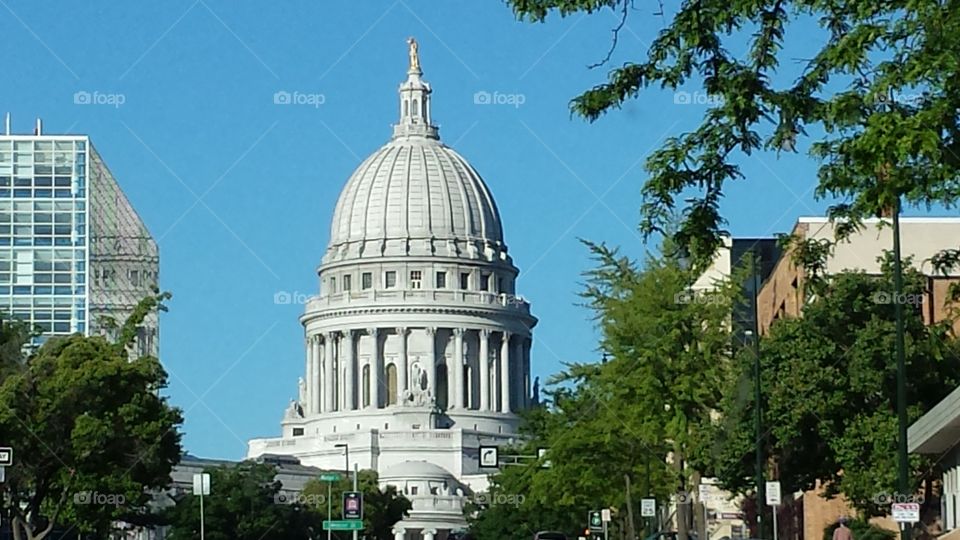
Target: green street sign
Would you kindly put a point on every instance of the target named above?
(343, 525)
(330, 477)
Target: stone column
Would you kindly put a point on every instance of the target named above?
(316, 349)
(432, 362)
(329, 385)
(403, 367)
(350, 380)
(484, 369)
(520, 390)
(399, 534)
(308, 376)
(528, 380)
(429, 534)
(459, 399)
(374, 388)
(505, 372)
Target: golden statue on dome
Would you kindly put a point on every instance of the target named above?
(414, 54)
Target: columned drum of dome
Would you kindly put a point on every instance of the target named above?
(417, 345)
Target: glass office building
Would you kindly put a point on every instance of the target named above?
(74, 255)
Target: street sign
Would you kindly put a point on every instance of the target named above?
(6, 456)
(773, 493)
(648, 507)
(595, 520)
(605, 515)
(201, 484)
(905, 512)
(343, 525)
(330, 477)
(489, 457)
(352, 505)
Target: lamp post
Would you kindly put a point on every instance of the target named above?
(903, 480)
(346, 457)
(755, 334)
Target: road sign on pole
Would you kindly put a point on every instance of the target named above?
(330, 477)
(773, 493)
(489, 457)
(905, 512)
(352, 505)
(343, 525)
(595, 520)
(648, 507)
(6, 456)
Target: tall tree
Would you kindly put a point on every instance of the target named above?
(245, 503)
(621, 430)
(91, 434)
(382, 507)
(881, 86)
(829, 391)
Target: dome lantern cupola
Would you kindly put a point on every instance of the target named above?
(415, 101)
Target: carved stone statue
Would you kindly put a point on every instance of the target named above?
(414, 54)
(536, 391)
(294, 410)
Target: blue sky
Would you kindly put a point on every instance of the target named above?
(240, 191)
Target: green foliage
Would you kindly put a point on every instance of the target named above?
(861, 530)
(829, 388)
(91, 434)
(614, 423)
(382, 508)
(244, 504)
(879, 83)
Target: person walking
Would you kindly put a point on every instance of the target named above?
(842, 532)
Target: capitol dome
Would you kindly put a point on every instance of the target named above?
(415, 195)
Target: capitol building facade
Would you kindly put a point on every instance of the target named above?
(418, 346)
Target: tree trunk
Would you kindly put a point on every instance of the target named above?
(630, 528)
(699, 508)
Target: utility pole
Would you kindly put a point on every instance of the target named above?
(761, 496)
(903, 480)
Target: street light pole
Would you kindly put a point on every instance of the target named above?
(757, 392)
(346, 468)
(903, 469)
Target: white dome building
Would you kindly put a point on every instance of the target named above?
(417, 347)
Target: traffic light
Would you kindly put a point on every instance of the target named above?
(595, 520)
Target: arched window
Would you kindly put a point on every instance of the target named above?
(442, 385)
(406, 107)
(416, 108)
(366, 385)
(392, 384)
